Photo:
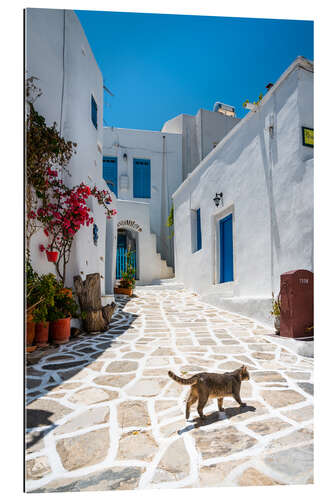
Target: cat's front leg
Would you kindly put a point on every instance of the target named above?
(220, 404)
(238, 399)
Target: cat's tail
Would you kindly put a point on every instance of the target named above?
(184, 381)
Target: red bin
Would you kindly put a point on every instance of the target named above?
(296, 294)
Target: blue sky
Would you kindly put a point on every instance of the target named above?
(159, 65)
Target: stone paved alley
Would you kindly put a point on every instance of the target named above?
(103, 414)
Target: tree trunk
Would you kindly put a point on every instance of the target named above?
(97, 317)
(89, 292)
(108, 312)
(95, 322)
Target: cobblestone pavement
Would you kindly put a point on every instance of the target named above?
(103, 414)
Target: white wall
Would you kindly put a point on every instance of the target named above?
(150, 266)
(58, 53)
(267, 183)
(165, 173)
(200, 134)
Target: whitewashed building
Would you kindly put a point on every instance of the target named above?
(143, 168)
(57, 52)
(201, 133)
(233, 254)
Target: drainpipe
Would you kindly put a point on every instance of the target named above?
(63, 73)
(164, 205)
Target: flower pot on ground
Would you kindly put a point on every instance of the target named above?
(42, 333)
(276, 310)
(44, 290)
(123, 291)
(60, 330)
(127, 281)
(32, 301)
(30, 328)
(60, 317)
(52, 256)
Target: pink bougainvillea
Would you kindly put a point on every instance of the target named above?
(63, 212)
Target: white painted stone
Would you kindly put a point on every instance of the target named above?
(267, 184)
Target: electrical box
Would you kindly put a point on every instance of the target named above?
(296, 295)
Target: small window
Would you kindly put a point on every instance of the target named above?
(199, 244)
(196, 230)
(110, 173)
(94, 112)
(141, 178)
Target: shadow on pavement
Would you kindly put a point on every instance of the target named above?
(216, 416)
(65, 364)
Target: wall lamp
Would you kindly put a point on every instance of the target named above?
(218, 198)
(125, 156)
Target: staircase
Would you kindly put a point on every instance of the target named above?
(150, 265)
(156, 268)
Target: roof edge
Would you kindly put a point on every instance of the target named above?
(299, 62)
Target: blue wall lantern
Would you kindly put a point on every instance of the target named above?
(95, 234)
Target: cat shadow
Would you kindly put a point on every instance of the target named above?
(216, 416)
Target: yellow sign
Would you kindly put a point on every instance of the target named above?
(308, 139)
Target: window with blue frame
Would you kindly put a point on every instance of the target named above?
(110, 173)
(199, 241)
(94, 112)
(196, 235)
(226, 250)
(141, 178)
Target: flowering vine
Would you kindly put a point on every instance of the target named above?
(61, 211)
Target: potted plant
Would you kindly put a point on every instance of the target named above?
(32, 301)
(46, 287)
(276, 310)
(127, 280)
(60, 315)
(252, 106)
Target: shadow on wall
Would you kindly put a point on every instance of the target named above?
(275, 236)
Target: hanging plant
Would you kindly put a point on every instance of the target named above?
(170, 220)
(45, 150)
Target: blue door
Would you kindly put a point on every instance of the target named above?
(110, 173)
(226, 250)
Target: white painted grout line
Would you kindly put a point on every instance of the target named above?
(187, 309)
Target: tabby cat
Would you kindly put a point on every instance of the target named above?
(213, 385)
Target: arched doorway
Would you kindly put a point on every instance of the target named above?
(126, 242)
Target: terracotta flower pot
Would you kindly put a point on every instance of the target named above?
(60, 330)
(52, 256)
(124, 291)
(30, 330)
(42, 333)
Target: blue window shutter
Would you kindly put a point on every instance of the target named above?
(141, 178)
(94, 112)
(226, 250)
(199, 243)
(110, 173)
